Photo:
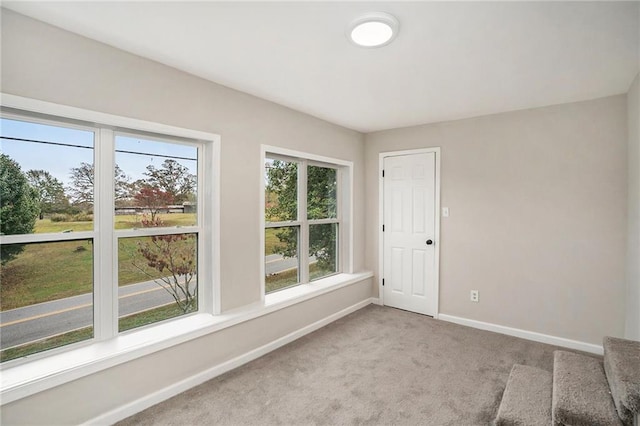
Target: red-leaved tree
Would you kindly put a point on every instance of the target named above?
(174, 259)
(153, 199)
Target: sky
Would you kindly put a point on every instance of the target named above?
(78, 148)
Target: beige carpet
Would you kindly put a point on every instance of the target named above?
(376, 366)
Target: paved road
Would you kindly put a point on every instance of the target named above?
(47, 319)
(30, 323)
(276, 263)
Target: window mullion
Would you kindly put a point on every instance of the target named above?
(282, 224)
(303, 255)
(105, 286)
(340, 234)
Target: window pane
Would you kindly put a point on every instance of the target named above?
(323, 250)
(281, 190)
(46, 297)
(155, 183)
(281, 258)
(47, 177)
(322, 201)
(157, 278)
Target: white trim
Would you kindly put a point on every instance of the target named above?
(44, 370)
(148, 232)
(376, 301)
(303, 232)
(211, 218)
(347, 192)
(304, 155)
(525, 334)
(105, 287)
(381, 158)
(262, 222)
(29, 378)
(345, 208)
(131, 408)
(46, 238)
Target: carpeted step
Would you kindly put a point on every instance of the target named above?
(580, 392)
(622, 367)
(527, 398)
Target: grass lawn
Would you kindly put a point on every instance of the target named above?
(270, 241)
(50, 271)
(46, 344)
(281, 280)
(148, 317)
(122, 222)
(288, 278)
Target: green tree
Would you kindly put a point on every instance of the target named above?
(81, 189)
(282, 205)
(123, 186)
(18, 205)
(82, 181)
(172, 178)
(50, 192)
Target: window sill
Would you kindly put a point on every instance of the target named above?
(40, 374)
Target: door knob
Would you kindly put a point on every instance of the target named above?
(429, 242)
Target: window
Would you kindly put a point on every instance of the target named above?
(304, 204)
(104, 229)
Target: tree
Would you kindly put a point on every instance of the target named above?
(50, 192)
(18, 206)
(174, 258)
(172, 178)
(81, 189)
(281, 187)
(82, 181)
(153, 199)
(123, 189)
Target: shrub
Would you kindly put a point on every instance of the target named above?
(59, 217)
(82, 217)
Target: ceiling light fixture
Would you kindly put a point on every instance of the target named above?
(373, 29)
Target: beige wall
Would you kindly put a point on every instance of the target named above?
(632, 329)
(537, 220)
(42, 62)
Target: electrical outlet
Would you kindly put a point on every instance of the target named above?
(475, 296)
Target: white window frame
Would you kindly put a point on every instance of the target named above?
(105, 236)
(344, 217)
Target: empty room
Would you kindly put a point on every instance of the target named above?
(255, 213)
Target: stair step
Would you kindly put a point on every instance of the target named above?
(581, 393)
(622, 367)
(527, 398)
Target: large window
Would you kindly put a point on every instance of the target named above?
(303, 220)
(103, 231)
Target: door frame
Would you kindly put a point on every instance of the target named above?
(381, 158)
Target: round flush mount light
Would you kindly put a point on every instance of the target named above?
(373, 29)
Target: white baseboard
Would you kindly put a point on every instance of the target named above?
(376, 301)
(145, 402)
(524, 334)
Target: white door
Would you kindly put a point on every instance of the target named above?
(409, 243)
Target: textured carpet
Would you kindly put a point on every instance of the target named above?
(581, 394)
(527, 398)
(378, 365)
(622, 366)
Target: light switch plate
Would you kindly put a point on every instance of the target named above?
(445, 212)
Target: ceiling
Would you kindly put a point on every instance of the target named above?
(450, 60)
